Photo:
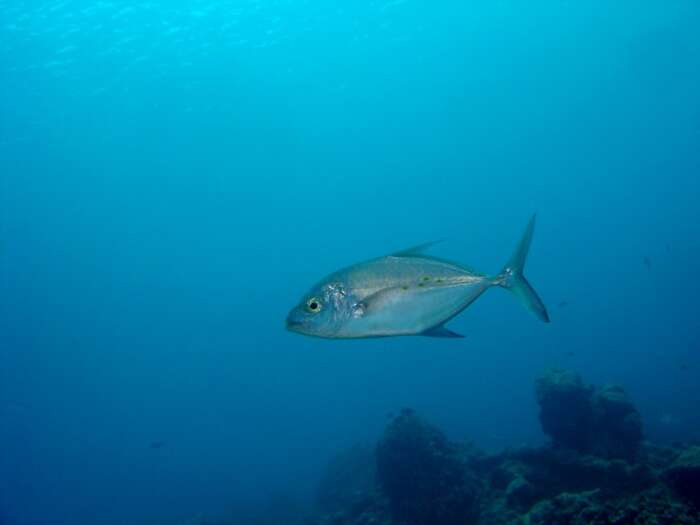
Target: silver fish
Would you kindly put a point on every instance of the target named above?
(406, 293)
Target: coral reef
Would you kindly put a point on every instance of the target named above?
(616, 429)
(600, 421)
(591, 508)
(597, 471)
(684, 474)
(423, 475)
(565, 409)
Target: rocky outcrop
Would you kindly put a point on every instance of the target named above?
(600, 421)
(423, 475)
(616, 426)
(597, 471)
(684, 474)
(531, 474)
(595, 508)
(565, 408)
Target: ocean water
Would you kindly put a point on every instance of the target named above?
(174, 175)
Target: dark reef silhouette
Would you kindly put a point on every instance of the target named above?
(423, 474)
(597, 470)
(590, 420)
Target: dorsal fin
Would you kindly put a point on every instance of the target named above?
(415, 250)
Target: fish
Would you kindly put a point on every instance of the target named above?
(647, 262)
(406, 293)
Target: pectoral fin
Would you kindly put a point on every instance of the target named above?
(408, 311)
(378, 300)
(441, 331)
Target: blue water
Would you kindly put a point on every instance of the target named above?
(174, 175)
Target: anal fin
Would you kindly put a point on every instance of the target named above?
(441, 331)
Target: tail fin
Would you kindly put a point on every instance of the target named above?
(512, 278)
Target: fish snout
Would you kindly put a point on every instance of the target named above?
(295, 320)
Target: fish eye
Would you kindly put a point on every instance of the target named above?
(314, 305)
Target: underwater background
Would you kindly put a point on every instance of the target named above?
(174, 175)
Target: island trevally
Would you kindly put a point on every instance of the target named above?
(406, 293)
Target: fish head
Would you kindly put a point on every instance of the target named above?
(322, 311)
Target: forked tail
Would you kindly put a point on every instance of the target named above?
(512, 278)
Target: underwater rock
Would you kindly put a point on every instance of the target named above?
(566, 508)
(597, 471)
(551, 471)
(593, 508)
(520, 493)
(370, 510)
(600, 421)
(616, 426)
(658, 457)
(565, 410)
(684, 474)
(423, 476)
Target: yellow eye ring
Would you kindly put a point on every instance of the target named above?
(313, 305)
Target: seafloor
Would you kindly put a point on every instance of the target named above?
(597, 470)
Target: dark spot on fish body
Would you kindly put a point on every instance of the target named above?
(440, 280)
(426, 278)
(404, 287)
(421, 285)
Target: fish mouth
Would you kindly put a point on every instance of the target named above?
(293, 323)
